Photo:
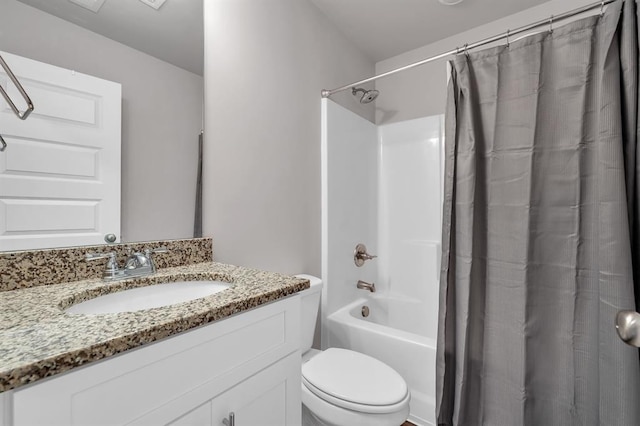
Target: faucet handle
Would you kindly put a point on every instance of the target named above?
(112, 264)
(95, 256)
(149, 252)
(360, 255)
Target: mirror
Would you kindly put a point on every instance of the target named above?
(157, 58)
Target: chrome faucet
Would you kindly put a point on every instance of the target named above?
(366, 286)
(137, 265)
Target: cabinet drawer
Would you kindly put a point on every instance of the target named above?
(125, 387)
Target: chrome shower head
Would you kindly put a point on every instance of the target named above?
(367, 95)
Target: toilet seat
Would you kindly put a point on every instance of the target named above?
(355, 381)
(332, 415)
(349, 405)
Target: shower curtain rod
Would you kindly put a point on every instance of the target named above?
(601, 4)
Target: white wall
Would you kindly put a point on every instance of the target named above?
(422, 91)
(161, 108)
(265, 65)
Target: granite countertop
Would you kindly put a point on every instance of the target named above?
(38, 339)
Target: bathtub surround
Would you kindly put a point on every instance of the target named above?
(350, 205)
(540, 229)
(24, 269)
(393, 206)
(410, 212)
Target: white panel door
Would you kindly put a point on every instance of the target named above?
(60, 173)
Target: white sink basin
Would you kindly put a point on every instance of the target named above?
(152, 296)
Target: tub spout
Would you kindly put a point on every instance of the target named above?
(366, 286)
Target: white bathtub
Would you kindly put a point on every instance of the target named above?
(395, 332)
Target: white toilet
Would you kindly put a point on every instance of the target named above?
(341, 387)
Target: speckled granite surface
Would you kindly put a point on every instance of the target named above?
(22, 269)
(38, 339)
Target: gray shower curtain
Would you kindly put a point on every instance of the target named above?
(540, 229)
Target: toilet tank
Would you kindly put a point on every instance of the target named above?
(310, 303)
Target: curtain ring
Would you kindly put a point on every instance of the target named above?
(602, 8)
(508, 42)
(551, 24)
(466, 52)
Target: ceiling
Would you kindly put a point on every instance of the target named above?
(380, 28)
(385, 28)
(174, 33)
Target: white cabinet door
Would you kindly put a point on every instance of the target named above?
(60, 173)
(201, 416)
(6, 402)
(270, 398)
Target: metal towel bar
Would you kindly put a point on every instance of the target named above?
(21, 115)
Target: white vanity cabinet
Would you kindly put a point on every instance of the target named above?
(248, 364)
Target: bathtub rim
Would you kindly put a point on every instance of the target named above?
(346, 315)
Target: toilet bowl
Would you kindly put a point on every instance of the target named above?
(343, 387)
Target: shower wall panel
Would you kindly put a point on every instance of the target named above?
(410, 212)
(349, 192)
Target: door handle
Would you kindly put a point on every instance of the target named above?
(628, 327)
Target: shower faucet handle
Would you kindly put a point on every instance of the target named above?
(360, 255)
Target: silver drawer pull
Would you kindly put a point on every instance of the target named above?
(231, 421)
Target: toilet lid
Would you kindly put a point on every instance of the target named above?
(355, 378)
